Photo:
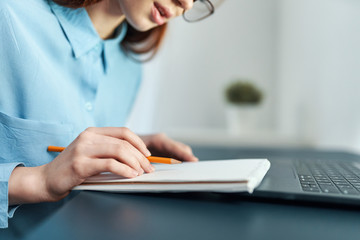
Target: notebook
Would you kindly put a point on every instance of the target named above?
(235, 175)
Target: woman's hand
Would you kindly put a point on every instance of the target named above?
(96, 150)
(162, 146)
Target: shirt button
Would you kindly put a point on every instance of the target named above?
(88, 106)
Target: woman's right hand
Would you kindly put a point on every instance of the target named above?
(96, 150)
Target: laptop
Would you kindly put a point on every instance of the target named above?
(302, 175)
(324, 178)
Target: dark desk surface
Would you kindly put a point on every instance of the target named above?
(92, 215)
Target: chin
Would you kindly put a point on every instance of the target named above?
(143, 29)
(142, 26)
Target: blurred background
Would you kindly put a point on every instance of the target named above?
(304, 55)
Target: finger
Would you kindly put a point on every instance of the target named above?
(181, 151)
(100, 165)
(89, 137)
(123, 152)
(144, 162)
(123, 134)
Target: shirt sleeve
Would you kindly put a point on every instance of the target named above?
(6, 211)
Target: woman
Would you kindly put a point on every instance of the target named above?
(67, 65)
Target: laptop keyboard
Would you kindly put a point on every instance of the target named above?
(329, 177)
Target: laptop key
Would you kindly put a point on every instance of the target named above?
(305, 176)
(336, 177)
(349, 191)
(345, 186)
(308, 182)
(341, 182)
(329, 189)
(311, 189)
(329, 178)
(326, 183)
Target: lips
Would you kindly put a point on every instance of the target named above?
(160, 13)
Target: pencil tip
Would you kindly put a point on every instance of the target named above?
(174, 161)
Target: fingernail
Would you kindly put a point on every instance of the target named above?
(148, 153)
(134, 173)
(150, 168)
(141, 171)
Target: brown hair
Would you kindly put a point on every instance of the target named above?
(135, 41)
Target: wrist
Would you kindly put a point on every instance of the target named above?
(27, 185)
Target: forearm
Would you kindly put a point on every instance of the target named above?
(27, 185)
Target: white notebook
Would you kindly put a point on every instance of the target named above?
(235, 175)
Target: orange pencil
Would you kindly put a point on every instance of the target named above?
(55, 149)
(151, 158)
(163, 160)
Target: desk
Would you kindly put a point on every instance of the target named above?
(92, 215)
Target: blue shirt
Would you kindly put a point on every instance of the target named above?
(57, 77)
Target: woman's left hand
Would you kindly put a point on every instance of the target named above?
(163, 146)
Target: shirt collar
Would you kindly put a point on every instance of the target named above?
(80, 31)
(120, 33)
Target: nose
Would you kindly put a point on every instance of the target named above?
(186, 4)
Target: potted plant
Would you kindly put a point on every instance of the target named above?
(243, 100)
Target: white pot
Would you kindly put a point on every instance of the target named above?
(242, 119)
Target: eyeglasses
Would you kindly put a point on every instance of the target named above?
(200, 10)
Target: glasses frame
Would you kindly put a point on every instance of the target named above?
(212, 10)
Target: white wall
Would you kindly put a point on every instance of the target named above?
(199, 59)
(319, 71)
(305, 54)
